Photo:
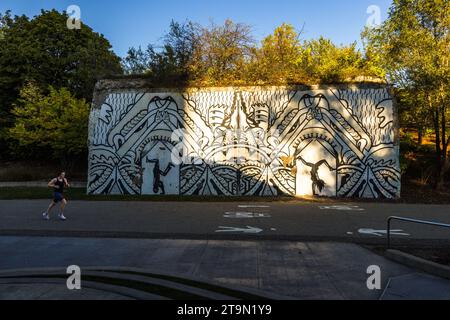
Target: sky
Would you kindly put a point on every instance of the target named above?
(132, 23)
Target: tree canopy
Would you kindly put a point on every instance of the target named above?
(413, 46)
(49, 125)
(45, 51)
(229, 55)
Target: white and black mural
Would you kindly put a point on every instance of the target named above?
(336, 142)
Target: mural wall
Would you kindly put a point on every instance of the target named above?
(336, 142)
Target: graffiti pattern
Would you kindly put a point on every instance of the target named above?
(236, 141)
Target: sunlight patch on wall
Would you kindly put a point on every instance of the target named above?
(334, 142)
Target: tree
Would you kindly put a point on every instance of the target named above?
(2, 27)
(325, 62)
(279, 58)
(53, 125)
(227, 54)
(414, 46)
(182, 45)
(412, 114)
(45, 51)
(225, 51)
(137, 61)
(196, 55)
(174, 62)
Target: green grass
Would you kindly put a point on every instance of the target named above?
(37, 193)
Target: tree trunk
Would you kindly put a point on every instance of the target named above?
(444, 134)
(420, 135)
(443, 140)
(438, 181)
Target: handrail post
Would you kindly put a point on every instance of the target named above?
(389, 233)
(410, 220)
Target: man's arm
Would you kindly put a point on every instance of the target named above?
(51, 184)
(66, 183)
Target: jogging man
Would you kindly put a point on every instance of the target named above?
(58, 184)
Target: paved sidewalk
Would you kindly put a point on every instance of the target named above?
(417, 286)
(296, 269)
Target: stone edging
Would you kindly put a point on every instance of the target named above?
(419, 263)
(117, 272)
(97, 286)
(137, 83)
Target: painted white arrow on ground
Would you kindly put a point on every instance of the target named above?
(245, 215)
(380, 233)
(249, 229)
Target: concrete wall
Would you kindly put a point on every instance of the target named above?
(327, 141)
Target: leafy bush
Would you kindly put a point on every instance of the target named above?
(55, 124)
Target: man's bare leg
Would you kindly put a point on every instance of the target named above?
(50, 207)
(63, 206)
(46, 214)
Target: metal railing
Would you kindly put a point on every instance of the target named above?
(430, 223)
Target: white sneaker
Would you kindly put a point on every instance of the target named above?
(45, 216)
(61, 217)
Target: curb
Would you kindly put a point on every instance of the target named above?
(119, 273)
(256, 292)
(48, 233)
(118, 290)
(159, 282)
(419, 263)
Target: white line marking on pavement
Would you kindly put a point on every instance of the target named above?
(249, 229)
(380, 233)
(342, 208)
(252, 206)
(245, 215)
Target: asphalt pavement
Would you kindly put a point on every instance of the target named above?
(222, 243)
(292, 220)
